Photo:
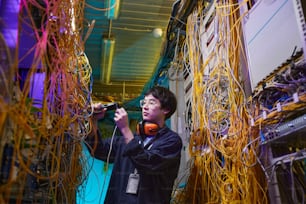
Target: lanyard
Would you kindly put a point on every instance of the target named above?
(148, 145)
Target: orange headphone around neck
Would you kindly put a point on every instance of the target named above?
(147, 128)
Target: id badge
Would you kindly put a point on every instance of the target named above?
(133, 182)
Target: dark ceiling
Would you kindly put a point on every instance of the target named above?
(137, 48)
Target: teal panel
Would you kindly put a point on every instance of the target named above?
(94, 188)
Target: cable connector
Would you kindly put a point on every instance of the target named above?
(110, 106)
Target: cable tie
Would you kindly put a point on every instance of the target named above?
(262, 136)
(48, 123)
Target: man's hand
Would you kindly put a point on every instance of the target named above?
(98, 111)
(121, 118)
(122, 122)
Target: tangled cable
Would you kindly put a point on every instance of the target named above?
(224, 165)
(41, 140)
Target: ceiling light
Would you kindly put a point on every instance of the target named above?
(108, 48)
(157, 32)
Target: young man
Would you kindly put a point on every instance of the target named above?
(146, 164)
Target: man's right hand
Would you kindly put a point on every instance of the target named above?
(97, 114)
(98, 111)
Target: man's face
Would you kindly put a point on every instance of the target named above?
(151, 110)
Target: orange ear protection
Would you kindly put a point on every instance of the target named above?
(147, 128)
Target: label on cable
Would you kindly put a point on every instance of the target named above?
(133, 182)
(295, 97)
(264, 115)
(252, 122)
(279, 107)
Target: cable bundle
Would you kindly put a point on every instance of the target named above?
(224, 163)
(281, 96)
(41, 145)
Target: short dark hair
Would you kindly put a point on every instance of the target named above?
(166, 98)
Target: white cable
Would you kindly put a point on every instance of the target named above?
(111, 147)
(107, 162)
